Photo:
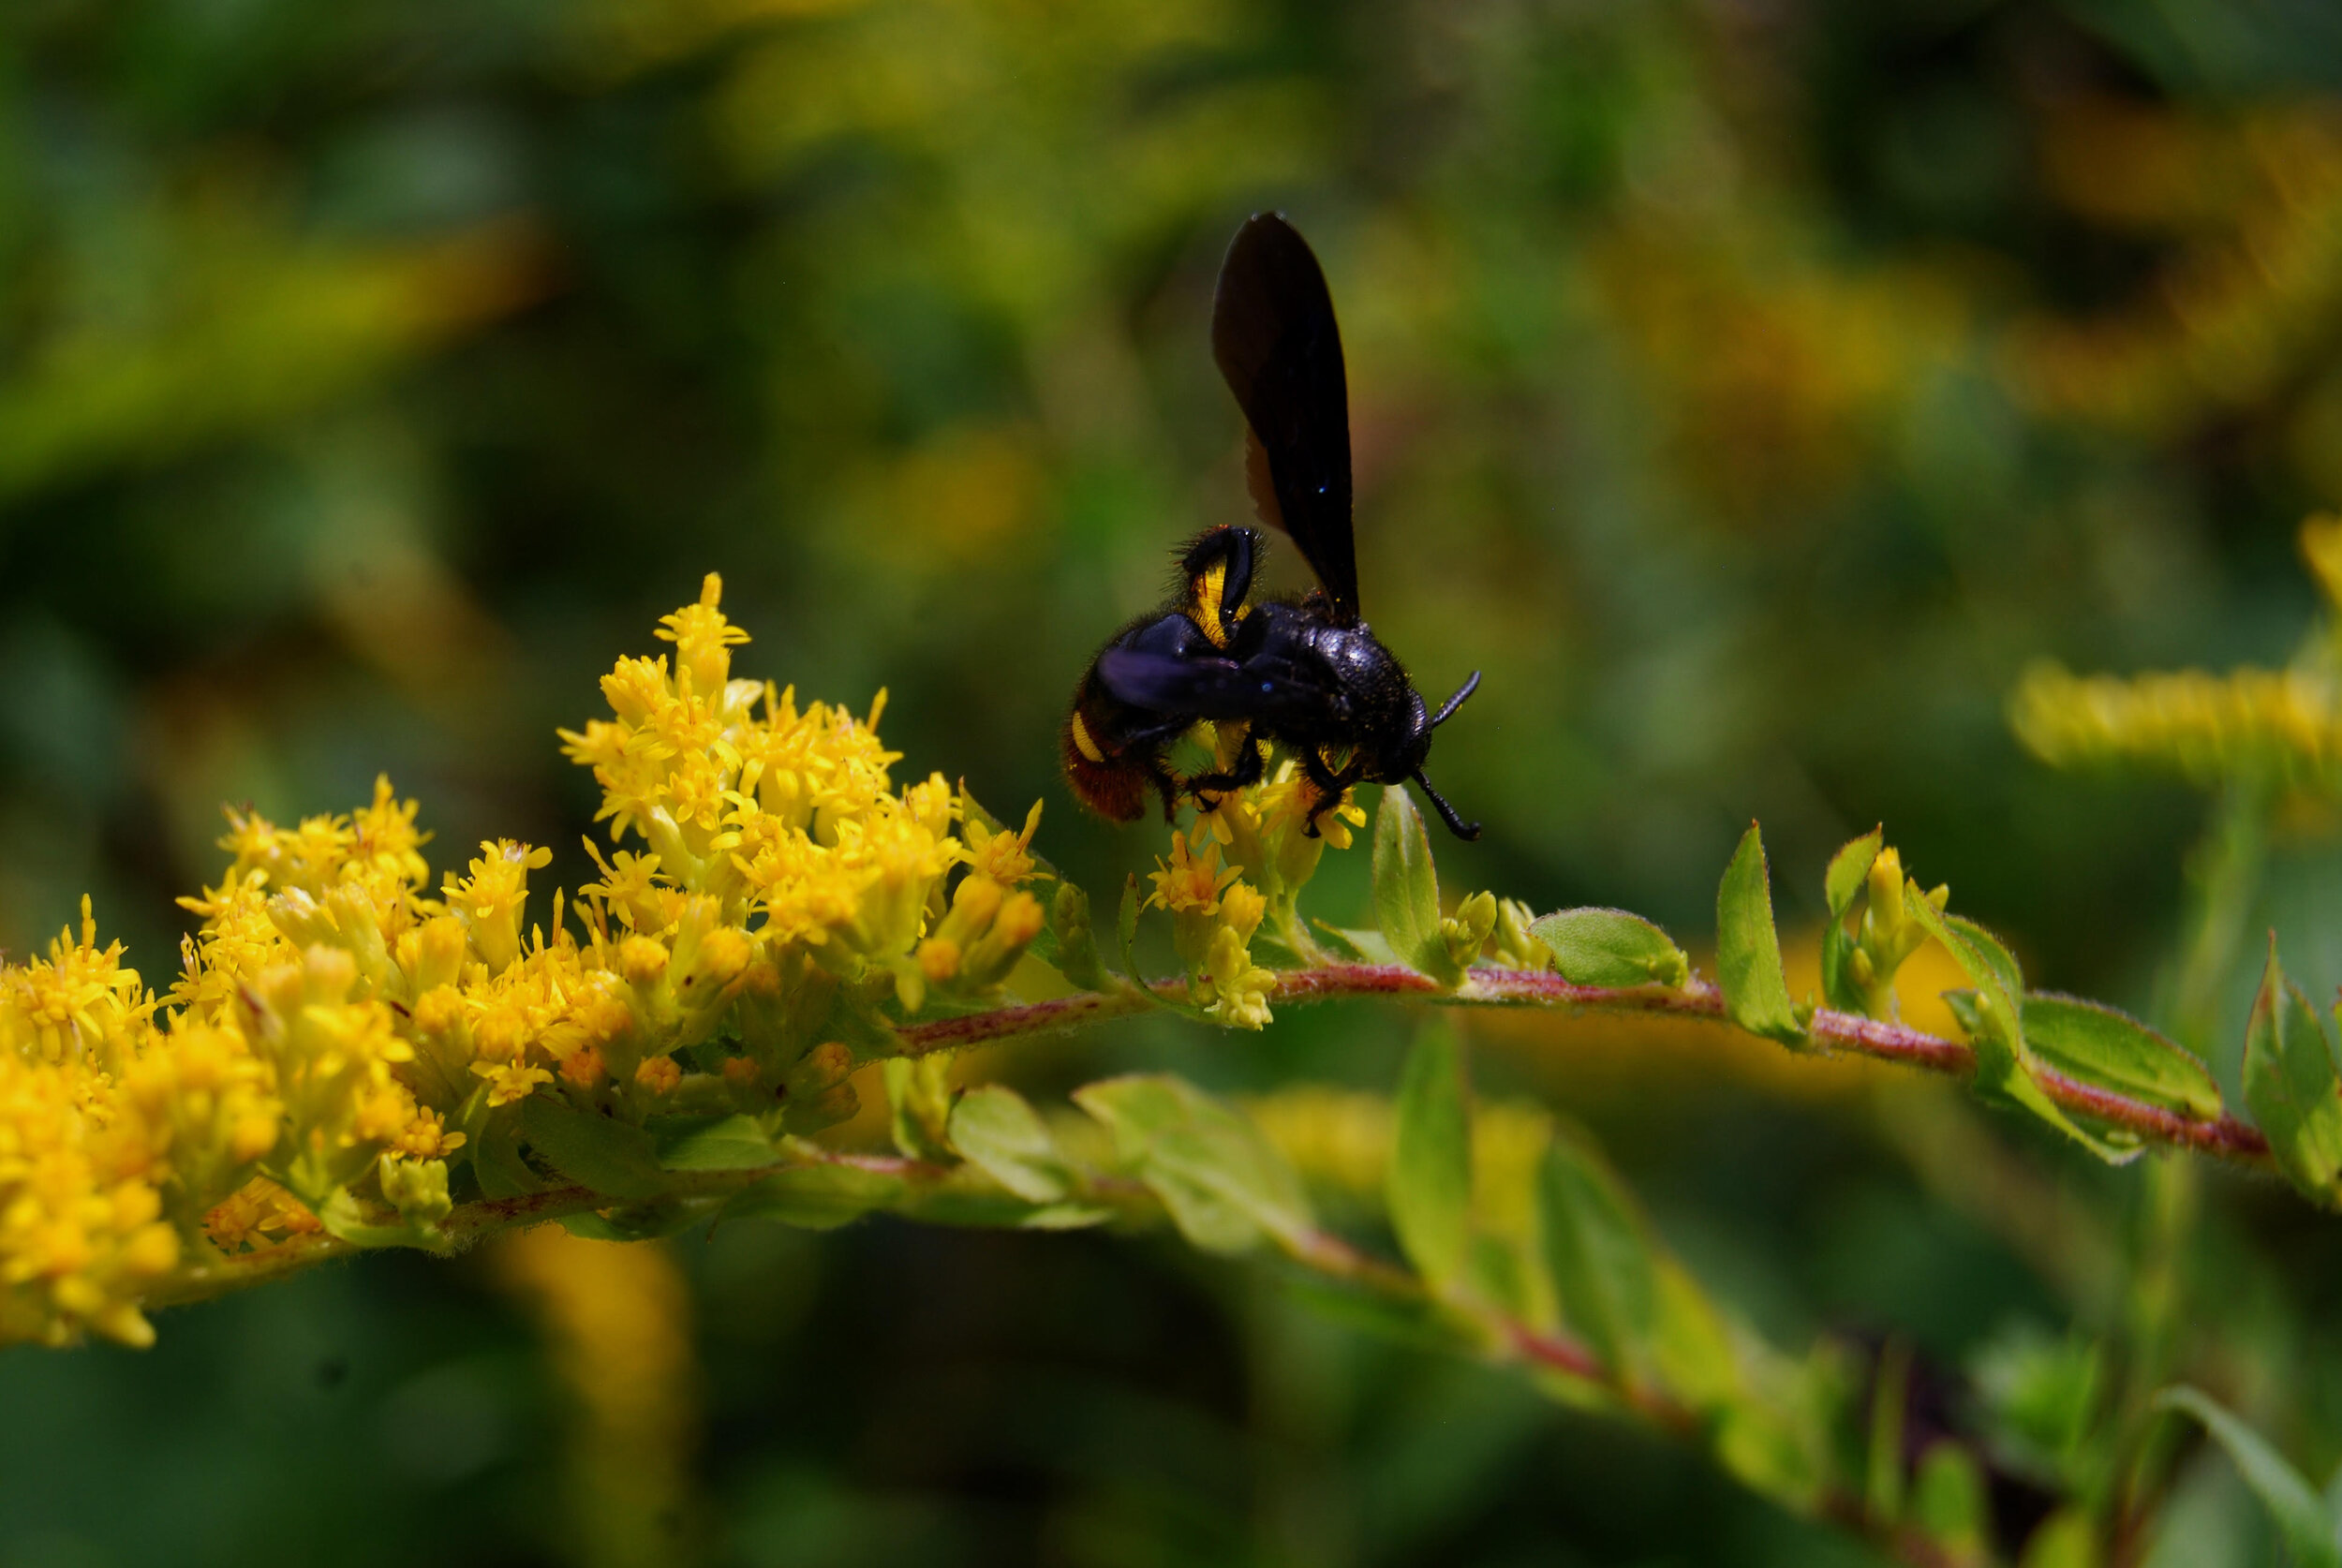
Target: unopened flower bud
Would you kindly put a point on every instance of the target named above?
(585, 1067)
(641, 960)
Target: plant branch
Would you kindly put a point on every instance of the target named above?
(1828, 1032)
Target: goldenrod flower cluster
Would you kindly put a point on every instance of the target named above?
(1216, 909)
(2284, 723)
(2282, 726)
(347, 1049)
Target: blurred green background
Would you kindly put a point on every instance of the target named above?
(1750, 389)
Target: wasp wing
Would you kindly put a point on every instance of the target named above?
(1216, 688)
(1277, 345)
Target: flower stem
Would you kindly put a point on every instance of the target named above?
(1829, 1032)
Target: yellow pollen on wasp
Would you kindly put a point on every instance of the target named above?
(1211, 591)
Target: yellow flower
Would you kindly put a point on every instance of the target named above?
(383, 837)
(1240, 909)
(1002, 855)
(331, 1018)
(426, 1137)
(489, 901)
(1190, 881)
(79, 1002)
(256, 1215)
(703, 639)
(509, 1082)
(1239, 987)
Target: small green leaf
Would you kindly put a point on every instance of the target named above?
(363, 1224)
(711, 1144)
(1342, 944)
(643, 1221)
(1748, 953)
(2042, 1394)
(1610, 947)
(2292, 1503)
(1949, 1502)
(2067, 1539)
(1994, 1026)
(2290, 1083)
(1356, 944)
(918, 1102)
(818, 1197)
(1076, 945)
(1406, 889)
(1430, 1180)
(599, 1152)
(1848, 868)
(1222, 1182)
(1990, 950)
(2096, 1044)
(496, 1159)
(1690, 1346)
(996, 1132)
(1596, 1253)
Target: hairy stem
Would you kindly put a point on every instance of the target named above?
(1830, 1032)
(1487, 986)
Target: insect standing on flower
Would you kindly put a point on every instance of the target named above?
(1305, 674)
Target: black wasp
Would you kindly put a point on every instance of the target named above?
(1308, 674)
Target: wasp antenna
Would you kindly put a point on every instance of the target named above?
(1456, 824)
(1470, 686)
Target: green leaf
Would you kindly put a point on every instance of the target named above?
(1849, 869)
(1992, 1018)
(1840, 989)
(2042, 1393)
(1342, 944)
(1430, 1180)
(1748, 953)
(996, 1132)
(367, 1224)
(2096, 1044)
(1223, 1183)
(1691, 1344)
(1949, 1502)
(818, 1197)
(1596, 1253)
(1356, 944)
(1610, 947)
(599, 1152)
(2067, 1539)
(1076, 945)
(2301, 1518)
(2290, 1083)
(711, 1144)
(1406, 889)
(668, 1215)
(497, 1160)
(918, 1101)
(1989, 950)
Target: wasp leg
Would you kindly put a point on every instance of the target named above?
(1248, 771)
(1167, 785)
(1330, 786)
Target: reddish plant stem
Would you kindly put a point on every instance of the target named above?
(1829, 1031)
